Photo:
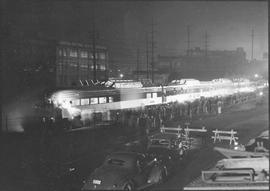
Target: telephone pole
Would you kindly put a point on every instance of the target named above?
(94, 53)
(188, 40)
(152, 48)
(206, 44)
(138, 55)
(147, 57)
(252, 39)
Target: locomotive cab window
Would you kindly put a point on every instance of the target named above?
(85, 101)
(75, 102)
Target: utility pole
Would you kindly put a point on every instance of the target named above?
(252, 39)
(188, 40)
(206, 44)
(94, 36)
(152, 47)
(147, 57)
(138, 55)
(94, 53)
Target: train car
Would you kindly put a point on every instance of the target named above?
(89, 103)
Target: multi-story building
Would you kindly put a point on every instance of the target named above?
(75, 62)
(36, 62)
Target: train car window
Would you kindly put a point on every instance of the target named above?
(102, 100)
(155, 95)
(85, 101)
(93, 100)
(148, 95)
(75, 102)
(110, 99)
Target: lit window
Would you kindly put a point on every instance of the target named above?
(92, 55)
(64, 53)
(85, 101)
(154, 95)
(110, 99)
(60, 52)
(102, 99)
(94, 100)
(148, 95)
(102, 56)
(75, 102)
(73, 53)
(84, 54)
(102, 67)
(73, 64)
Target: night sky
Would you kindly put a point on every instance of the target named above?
(123, 25)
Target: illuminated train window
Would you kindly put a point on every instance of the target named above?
(154, 95)
(94, 100)
(102, 100)
(85, 101)
(148, 95)
(110, 99)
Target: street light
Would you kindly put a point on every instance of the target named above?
(256, 75)
(121, 75)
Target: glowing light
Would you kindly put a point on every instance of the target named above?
(261, 93)
(121, 75)
(256, 75)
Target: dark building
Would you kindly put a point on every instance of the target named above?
(29, 63)
(204, 65)
(74, 63)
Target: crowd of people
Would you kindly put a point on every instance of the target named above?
(150, 118)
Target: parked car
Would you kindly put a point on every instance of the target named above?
(125, 171)
(166, 157)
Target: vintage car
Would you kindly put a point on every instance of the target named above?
(125, 171)
(166, 157)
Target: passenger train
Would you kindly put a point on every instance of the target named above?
(85, 102)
